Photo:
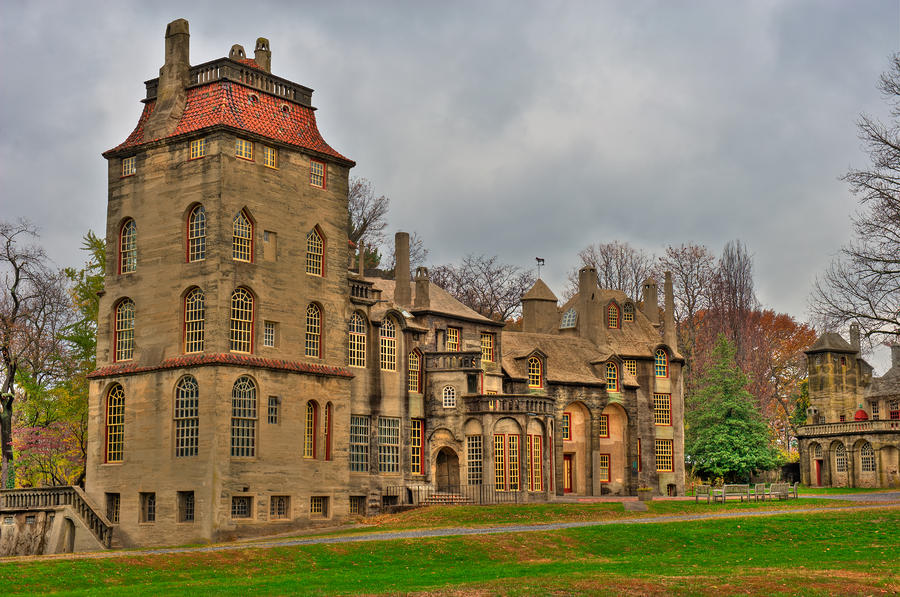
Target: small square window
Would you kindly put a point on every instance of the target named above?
(243, 149)
(270, 156)
(317, 174)
(358, 505)
(269, 334)
(241, 506)
(318, 506)
(198, 148)
(274, 404)
(129, 166)
(279, 507)
(185, 506)
(148, 507)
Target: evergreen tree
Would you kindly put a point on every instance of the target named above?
(725, 434)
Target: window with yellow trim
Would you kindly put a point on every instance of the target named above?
(242, 237)
(129, 166)
(413, 371)
(612, 377)
(243, 149)
(317, 173)
(194, 319)
(416, 454)
(604, 425)
(309, 435)
(124, 339)
(388, 345)
(628, 312)
(630, 366)
(357, 341)
(197, 234)
(313, 331)
(453, 339)
(499, 462)
(612, 316)
(487, 347)
(128, 247)
(603, 463)
(241, 320)
(664, 456)
(662, 409)
(115, 424)
(512, 452)
(270, 156)
(567, 426)
(535, 373)
(315, 252)
(198, 148)
(661, 364)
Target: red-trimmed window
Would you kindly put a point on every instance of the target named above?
(535, 372)
(612, 377)
(567, 426)
(196, 233)
(313, 331)
(604, 467)
(128, 247)
(194, 320)
(665, 462)
(329, 422)
(894, 409)
(124, 338)
(612, 316)
(317, 173)
(604, 425)
(115, 424)
(416, 446)
(309, 435)
(662, 409)
(661, 364)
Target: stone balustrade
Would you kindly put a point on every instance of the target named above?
(453, 360)
(873, 426)
(509, 404)
(47, 498)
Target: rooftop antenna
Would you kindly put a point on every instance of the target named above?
(540, 263)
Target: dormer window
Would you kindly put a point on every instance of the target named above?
(568, 319)
(612, 377)
(612, 316)
(628, 312)
(535, 373)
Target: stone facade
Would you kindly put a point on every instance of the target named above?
(248, 383)
(852, 432)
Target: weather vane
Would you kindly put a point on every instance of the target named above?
(540, 262)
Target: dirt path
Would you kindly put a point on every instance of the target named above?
(442, 532)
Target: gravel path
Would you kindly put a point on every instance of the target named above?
(463, 531)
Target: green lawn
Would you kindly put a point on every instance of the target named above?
(838, 490)
(826, 553)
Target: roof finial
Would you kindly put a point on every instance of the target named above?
(540, 262)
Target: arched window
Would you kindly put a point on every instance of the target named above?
(194, 317)
(313, 331)
(241, 320)
(124, 340)
(357, 341)
(196, 231)
(628, 312)
(612, 316)
(661, 366)
(309, 435)
(817, 451)
(448, 395)
(840, 458)
(867, 458)
(115, 424)
(329, 415)
(243, 417)
(388, 345)
(535, 373)
(569, 318)
(414, 372)
(315, 252)
(242, 237)
(612, 377)
(187, 417)
(128, 247)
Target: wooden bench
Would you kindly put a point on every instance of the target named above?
(782, 491)
(759, 492)
(702, 490)
(741, 490)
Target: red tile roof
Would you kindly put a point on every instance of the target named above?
(249, 62)
(221, 359)
(232, 104)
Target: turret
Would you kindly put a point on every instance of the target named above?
(539, 312)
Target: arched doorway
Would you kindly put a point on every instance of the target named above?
(446, 470)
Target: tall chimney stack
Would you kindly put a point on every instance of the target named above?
(171, 94)
(854, 336)
(262, 55)
(402, 285)
(651, 301)
(670, 337)
(423, 298)
(895, 355)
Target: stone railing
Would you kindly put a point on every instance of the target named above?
(227, 69)
(848, 427)
(360, 289)
(509, 403)
(453, 360)
(47, 498)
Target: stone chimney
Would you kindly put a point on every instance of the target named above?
(237, 52)
(262, 54)
(173, 79)
(854, 336)
(669, 337)
(423, 300)
(895, 355)
(587, 281)
(402, 288)
(651, 301)
(361, 260)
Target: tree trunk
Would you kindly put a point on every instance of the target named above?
(7, 477)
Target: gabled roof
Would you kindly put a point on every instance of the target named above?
(440, 301)
(830, 342)
(227, 103)
(568, 357)
(540, 291)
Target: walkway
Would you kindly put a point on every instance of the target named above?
(462, 531)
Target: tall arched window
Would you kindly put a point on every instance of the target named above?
(196, 231)
(357, 341)
(448, 396)
(124, 339)
(612, 377)
(242, 237)
(661, 365)
(414, 372)
(309, 435)
(612, 316)
(194, 319)
(840, 458)
(315, 252)
(628, 312)
(241, 320)
(388, 345)
(243, 417)
(535, 373)
(867, 458)
(187, 417)
(313, 331)
(115, 424)
(329, 416)
(128, 247)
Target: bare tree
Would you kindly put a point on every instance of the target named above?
(733, 296)
(619, 266)
(863, 283)
(368, 214)
(417, 253)
(33, 312)
(486, 285)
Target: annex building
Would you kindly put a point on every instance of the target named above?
(852, 432)
(253, 378)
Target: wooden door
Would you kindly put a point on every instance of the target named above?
(818, 473)
(567, 473)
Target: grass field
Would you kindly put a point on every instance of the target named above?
(826, 553)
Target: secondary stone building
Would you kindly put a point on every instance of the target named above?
(852, 432)
(250, 382)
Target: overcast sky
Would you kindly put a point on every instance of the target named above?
(522, 129)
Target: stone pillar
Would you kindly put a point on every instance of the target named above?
(402, 288)
(423, 298)
(670, 337)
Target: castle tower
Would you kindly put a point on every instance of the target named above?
(835, 391)
(226, 260)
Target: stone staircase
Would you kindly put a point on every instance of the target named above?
(447, 499)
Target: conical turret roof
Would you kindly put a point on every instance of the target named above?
(539, 292)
